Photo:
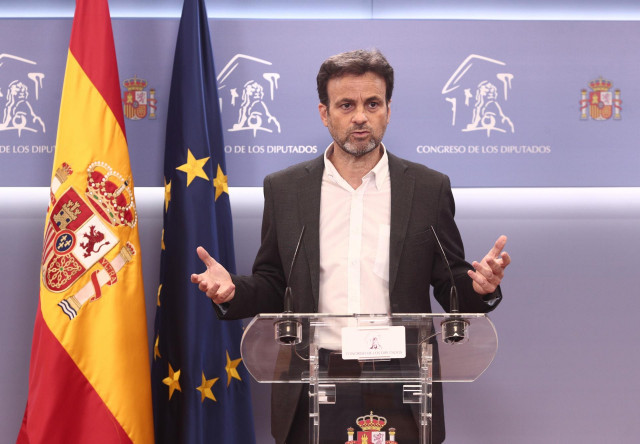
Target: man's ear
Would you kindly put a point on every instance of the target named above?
(324, 112)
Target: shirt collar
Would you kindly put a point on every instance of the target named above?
(380, 172)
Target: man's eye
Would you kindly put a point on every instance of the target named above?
(345, 106)
(373, 105)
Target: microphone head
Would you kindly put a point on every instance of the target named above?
(288, 331)
(455, 330)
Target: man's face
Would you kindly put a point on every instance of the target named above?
(357, 115)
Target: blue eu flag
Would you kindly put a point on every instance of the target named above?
(200, 386)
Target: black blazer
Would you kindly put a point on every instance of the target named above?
(420, 197)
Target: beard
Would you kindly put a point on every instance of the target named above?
(359, 149)
(356, 149)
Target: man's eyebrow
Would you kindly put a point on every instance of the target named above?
(367, 99)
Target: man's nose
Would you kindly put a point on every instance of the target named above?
(360, 116)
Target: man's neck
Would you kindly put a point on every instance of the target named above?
(354, 168)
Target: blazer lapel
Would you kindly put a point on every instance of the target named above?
(402, 187)
(309, 189)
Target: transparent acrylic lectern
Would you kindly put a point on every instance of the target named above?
(425, 348)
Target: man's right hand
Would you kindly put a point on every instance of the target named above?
(215, 281)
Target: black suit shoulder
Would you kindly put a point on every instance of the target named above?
(294, 171)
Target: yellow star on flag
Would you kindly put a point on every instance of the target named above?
(231, 368)
(205, 388)
(220, 183)
(162, 240)
(156, 350)
(173, 381)
(159, 290)
(167, 194)
(193, 168)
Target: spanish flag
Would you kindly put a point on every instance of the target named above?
(89, 376)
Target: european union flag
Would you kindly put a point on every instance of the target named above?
(200, 386)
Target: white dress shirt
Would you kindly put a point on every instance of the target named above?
(354, 241)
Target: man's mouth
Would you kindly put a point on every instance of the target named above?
(360, 133)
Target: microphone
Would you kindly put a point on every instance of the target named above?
(454, 329)
(290, 331)
(288, 297)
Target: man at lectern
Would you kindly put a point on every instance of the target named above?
(367, 246)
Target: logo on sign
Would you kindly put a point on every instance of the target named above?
(20, 85)
(478, 91)
(248, 85)
(601, 103)
(137, 102)
(373, 342)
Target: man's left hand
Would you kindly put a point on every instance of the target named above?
(490, 270)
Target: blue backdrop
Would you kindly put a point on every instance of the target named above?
(492, 103)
